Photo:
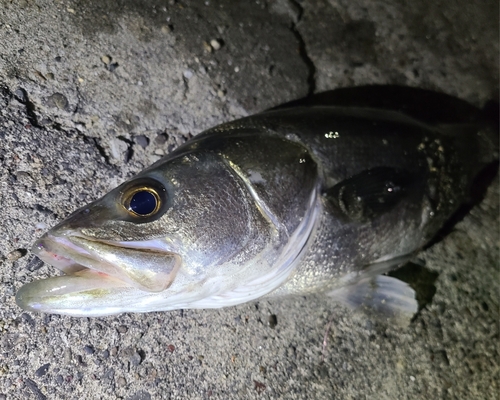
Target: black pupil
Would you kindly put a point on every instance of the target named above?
(143, 202)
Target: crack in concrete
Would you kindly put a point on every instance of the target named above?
(311, 76)
(93, 141)
(130, 148)
(21, 95)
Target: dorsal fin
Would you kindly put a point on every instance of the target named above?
(424, 105)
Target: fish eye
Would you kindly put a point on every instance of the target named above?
(143, 201)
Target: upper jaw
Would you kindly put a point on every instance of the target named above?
(56, 251)
(142, 265)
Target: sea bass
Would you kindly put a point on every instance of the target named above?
(312, 197)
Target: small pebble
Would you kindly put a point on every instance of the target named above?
(118, 149)
(135, 359)
(106, 59)
(15, 255)
(40, 75)
(88, 350)
(34, 264)
(188, 74)
(207, 47)
(28, 319)
(161, 139)
(121, 381)
(142, 141)
(23, 176)
(21, 95)
(42, 370)
(109, 374)
(216, 44)
(67, 356)
(58, 100)
(33, 387)
(122, 329)
(141, 395)
(112, 66)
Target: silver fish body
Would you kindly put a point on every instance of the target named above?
(290, 201)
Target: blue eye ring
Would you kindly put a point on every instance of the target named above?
(142, 201)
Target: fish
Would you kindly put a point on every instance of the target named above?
(320, 196)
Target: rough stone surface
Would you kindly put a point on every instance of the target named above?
(85, 86)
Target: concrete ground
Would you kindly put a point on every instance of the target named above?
(92, 92)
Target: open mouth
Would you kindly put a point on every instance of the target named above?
(94, 269)
(111, 264)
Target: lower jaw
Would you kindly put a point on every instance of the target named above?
(71, 294)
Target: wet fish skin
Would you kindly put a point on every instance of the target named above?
(290, 201)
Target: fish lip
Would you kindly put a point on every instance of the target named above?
(60, 252)
(43, 248)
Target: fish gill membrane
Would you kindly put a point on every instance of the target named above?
(321, 195)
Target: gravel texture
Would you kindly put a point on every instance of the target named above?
(92, 92)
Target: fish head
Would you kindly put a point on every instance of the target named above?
(154, 242)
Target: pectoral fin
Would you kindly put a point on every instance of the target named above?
(371, 193)
(384, 295)
(381, 295)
